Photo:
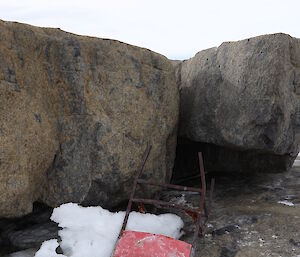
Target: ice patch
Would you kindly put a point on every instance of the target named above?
(93, 231)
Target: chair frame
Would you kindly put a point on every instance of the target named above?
(196, 213)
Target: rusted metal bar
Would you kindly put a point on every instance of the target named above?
(141, 168)
(196, 234)
(203, 182)
(159, 203)
(202, 174)
(212, 188)
(199, 227)
(207, 209)
(170, 186)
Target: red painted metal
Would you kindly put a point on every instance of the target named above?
(140, 244)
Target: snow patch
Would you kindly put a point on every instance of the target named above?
(285, 202)
(48, 249)
(93, 231)
(296, 163)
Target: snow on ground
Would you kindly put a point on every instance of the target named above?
(285, 202)
(297, 161)
(93, 231)
(48, 249)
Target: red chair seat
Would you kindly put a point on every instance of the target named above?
(140, 244)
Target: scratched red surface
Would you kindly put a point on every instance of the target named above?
(140, 244)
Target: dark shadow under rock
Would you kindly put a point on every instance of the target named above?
(28, 231)
(26, 253)
(223, 159)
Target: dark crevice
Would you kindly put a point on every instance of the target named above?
(218, 159)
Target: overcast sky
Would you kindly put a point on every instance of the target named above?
(177, 29)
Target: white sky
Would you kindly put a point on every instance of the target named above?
(177, 29)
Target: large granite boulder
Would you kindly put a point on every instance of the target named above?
(242, 102)
(76, 114)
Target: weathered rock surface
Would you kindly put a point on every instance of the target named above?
(25, 253)
(243, 99)
(75, 116)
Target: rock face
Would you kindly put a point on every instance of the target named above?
(76, 114)
(243, 99)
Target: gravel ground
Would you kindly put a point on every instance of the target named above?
(254, 215)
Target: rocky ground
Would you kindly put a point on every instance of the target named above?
(252, 216)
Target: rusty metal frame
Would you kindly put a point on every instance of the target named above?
(200, 228)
